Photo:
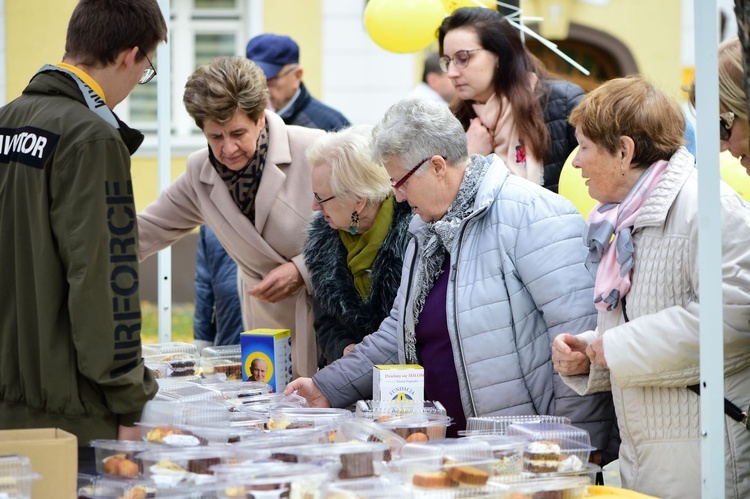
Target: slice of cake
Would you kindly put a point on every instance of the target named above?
(541, 457)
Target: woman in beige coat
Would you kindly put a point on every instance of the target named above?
(643, 250)
(251, 185)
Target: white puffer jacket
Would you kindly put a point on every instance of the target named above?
(655, 356)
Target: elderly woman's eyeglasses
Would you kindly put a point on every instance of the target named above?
(726, 120)
(460, 59)
(149, 72)
(321, 201)
(397, 185)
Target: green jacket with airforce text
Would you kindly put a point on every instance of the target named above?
(70, 321)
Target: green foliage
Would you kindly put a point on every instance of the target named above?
(182, 322)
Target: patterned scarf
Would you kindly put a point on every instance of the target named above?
(243, 185)
(436, 241)
(611, 265)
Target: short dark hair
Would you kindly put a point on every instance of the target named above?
(100, 29)
(431, 65)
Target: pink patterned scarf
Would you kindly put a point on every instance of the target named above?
(611, 265)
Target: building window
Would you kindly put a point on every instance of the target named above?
(199, 31)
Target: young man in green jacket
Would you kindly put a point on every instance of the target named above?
(70, 346)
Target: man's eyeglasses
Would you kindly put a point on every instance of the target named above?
(460, 59)
(726, 120)
(321, 201)
(272, 81)
(397, 185)
(149, 72)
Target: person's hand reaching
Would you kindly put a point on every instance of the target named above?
(305, 387)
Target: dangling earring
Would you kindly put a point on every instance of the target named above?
(354, 227)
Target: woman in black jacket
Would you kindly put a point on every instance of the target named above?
(507, 102)
(356, 242)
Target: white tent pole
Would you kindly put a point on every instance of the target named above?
(709, 249)
(164, 161)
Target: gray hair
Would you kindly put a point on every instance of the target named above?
(353, 171)
(416, 128)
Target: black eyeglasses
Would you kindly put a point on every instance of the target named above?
(460, 59)
(397, 185)
(149, 72)
(726, 120)
(321, 201)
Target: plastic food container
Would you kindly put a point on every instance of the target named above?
(283, 418)
(239, 392)
(225, 362)
(497, 425)
(208, 412)
(507, 452)
(445, 464)
(269, 481)
(260, 446)
(172, 467)
(552, 447)
(417, 427)
(247, 418)
(16, 476)
(374, 409)
(345, 461)
(119, 458)
(190, 392)
(362, 430)
(182, 358)
(370, 488)
(564, 487)
(160, 369)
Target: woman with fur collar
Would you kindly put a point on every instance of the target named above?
(356, 242)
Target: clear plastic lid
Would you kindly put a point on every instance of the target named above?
(497, 425)
(222, 352)
(417, 427)
(16, 476)
(552, 447)
(449, 450)
(221, 369)
(346, 461)
(178, 462)
(282, 418)
(507, 450)
(368, 488)
(373, 409)
(102, 487)
(259, 446)
(160, 369)
(242, 390)
(177, 348)
(363, 430)
(118, 458)
(157, 412)
(568, 487)
(190, 393)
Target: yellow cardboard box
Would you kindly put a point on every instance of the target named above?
(54, 456)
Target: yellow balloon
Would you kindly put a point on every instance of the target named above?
(734, 174)
(451, 5)
(572, 185)
(403, 26)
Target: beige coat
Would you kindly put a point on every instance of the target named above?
(655, 356)
(283, 209)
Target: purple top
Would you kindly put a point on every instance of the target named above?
(435, 353)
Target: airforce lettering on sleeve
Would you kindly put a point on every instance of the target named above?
(121, 220)
(27, 145)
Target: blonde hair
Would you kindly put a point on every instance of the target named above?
(631, 107)
(217, 90)
(353, 171)
(732, 96)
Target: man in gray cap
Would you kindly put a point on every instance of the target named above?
(278, 57)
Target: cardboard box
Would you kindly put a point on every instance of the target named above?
(54, 455)
(271, 351)
(398, 382)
